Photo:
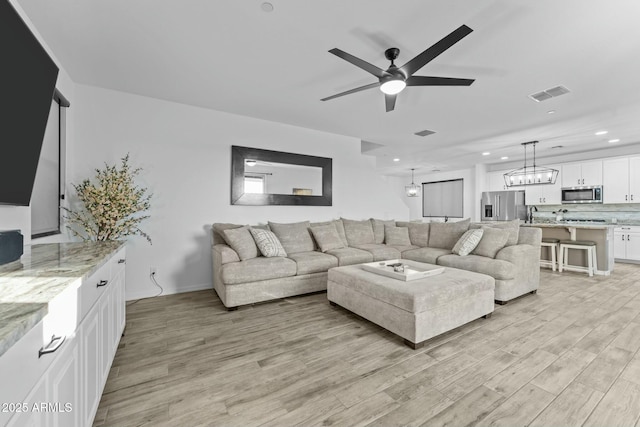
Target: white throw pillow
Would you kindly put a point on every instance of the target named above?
(468, 242)
(267, 242)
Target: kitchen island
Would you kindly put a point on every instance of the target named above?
(600, 233)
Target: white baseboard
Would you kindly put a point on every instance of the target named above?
(169, 291)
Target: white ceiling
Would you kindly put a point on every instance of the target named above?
(230, 55)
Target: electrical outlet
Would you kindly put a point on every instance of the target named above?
(153, 270)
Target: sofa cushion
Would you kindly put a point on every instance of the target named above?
(428, 255)
(418, 232)
(313, 262)
(496, 268)
(256, 269)
(241, 241)
(340, 227)
(468, 242)
(444, 235)
(218, 229)
(396, 236)
(267, 243)
(326, 236)
(295, 237)
(350, 256)
(493, 239)
(403, 248)
(512, 226)
(380, 252)
(378, 229)
(358, 232)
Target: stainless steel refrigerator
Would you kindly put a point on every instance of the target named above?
(503, 206)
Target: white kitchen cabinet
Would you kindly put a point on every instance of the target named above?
(544, 194)
(584, 173)
(627, 243)
(496, 182)
(621, 180)
(68, 381)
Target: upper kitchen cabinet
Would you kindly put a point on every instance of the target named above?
(621, 180)
(544, 194)
(584, 173)
(495, 182)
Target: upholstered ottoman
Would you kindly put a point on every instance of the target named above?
(415, 310)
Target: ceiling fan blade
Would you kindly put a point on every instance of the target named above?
(369, 68)
(430, 53)
(358, 89)
(437, 81)
(390, 102)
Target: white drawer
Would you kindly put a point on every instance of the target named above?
(118, 262)
(92, 289)
(22, 366)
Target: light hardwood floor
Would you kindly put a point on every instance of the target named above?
(567, 356)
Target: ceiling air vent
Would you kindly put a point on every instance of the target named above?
(425, 132)
(549, 93)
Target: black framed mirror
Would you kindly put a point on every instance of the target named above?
(265, 177)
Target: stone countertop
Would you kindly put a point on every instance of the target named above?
(581, 225)
(42, 273)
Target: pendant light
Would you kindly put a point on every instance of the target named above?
(412, 190)
(532, 174)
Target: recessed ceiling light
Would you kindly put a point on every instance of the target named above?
(396, 159)
(504, 158)
(267, 7)
(611, 141)
(551, 112)
(486, 153)
(602, 132)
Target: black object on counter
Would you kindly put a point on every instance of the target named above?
(11, 246)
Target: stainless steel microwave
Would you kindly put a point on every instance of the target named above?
(582, 194)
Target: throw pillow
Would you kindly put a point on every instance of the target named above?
(468, 242)
(512, 226)
(218, 228)
(327, 237)
(444, 235)
(242, 242)
(294, 237)
(267, 242)
(379, 228)
(419, 233)
(493, 239)
(358, 232)
(340, 227)
(397, 236)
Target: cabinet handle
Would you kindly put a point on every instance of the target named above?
(544, 200)
(121, 261)
(102, 283)
(583, 180)
(626, 198)
(578, 181)
(53, 345)
(623, 237)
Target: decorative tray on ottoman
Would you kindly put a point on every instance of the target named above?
(410, 271)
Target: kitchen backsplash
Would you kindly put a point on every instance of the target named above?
(628, 214)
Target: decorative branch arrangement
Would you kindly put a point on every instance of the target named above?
(112, 207)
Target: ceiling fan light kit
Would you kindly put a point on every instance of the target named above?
(394, 79)
(530, 175)
(412, 190)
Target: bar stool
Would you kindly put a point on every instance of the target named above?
(585, 245)
(552, 244)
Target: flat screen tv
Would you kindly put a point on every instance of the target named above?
(28, 77)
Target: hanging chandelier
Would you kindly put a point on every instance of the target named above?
(412, 190)
(532, 174)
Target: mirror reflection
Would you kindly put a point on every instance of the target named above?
(261, 177)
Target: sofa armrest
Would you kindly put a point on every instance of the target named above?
(526, 258)
(225, 254)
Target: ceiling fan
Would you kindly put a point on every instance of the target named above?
(394, 79)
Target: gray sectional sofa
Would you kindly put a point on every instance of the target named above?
(241, 275)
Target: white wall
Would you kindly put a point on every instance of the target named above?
(185, 153)
(19, 217)
(471, 206)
